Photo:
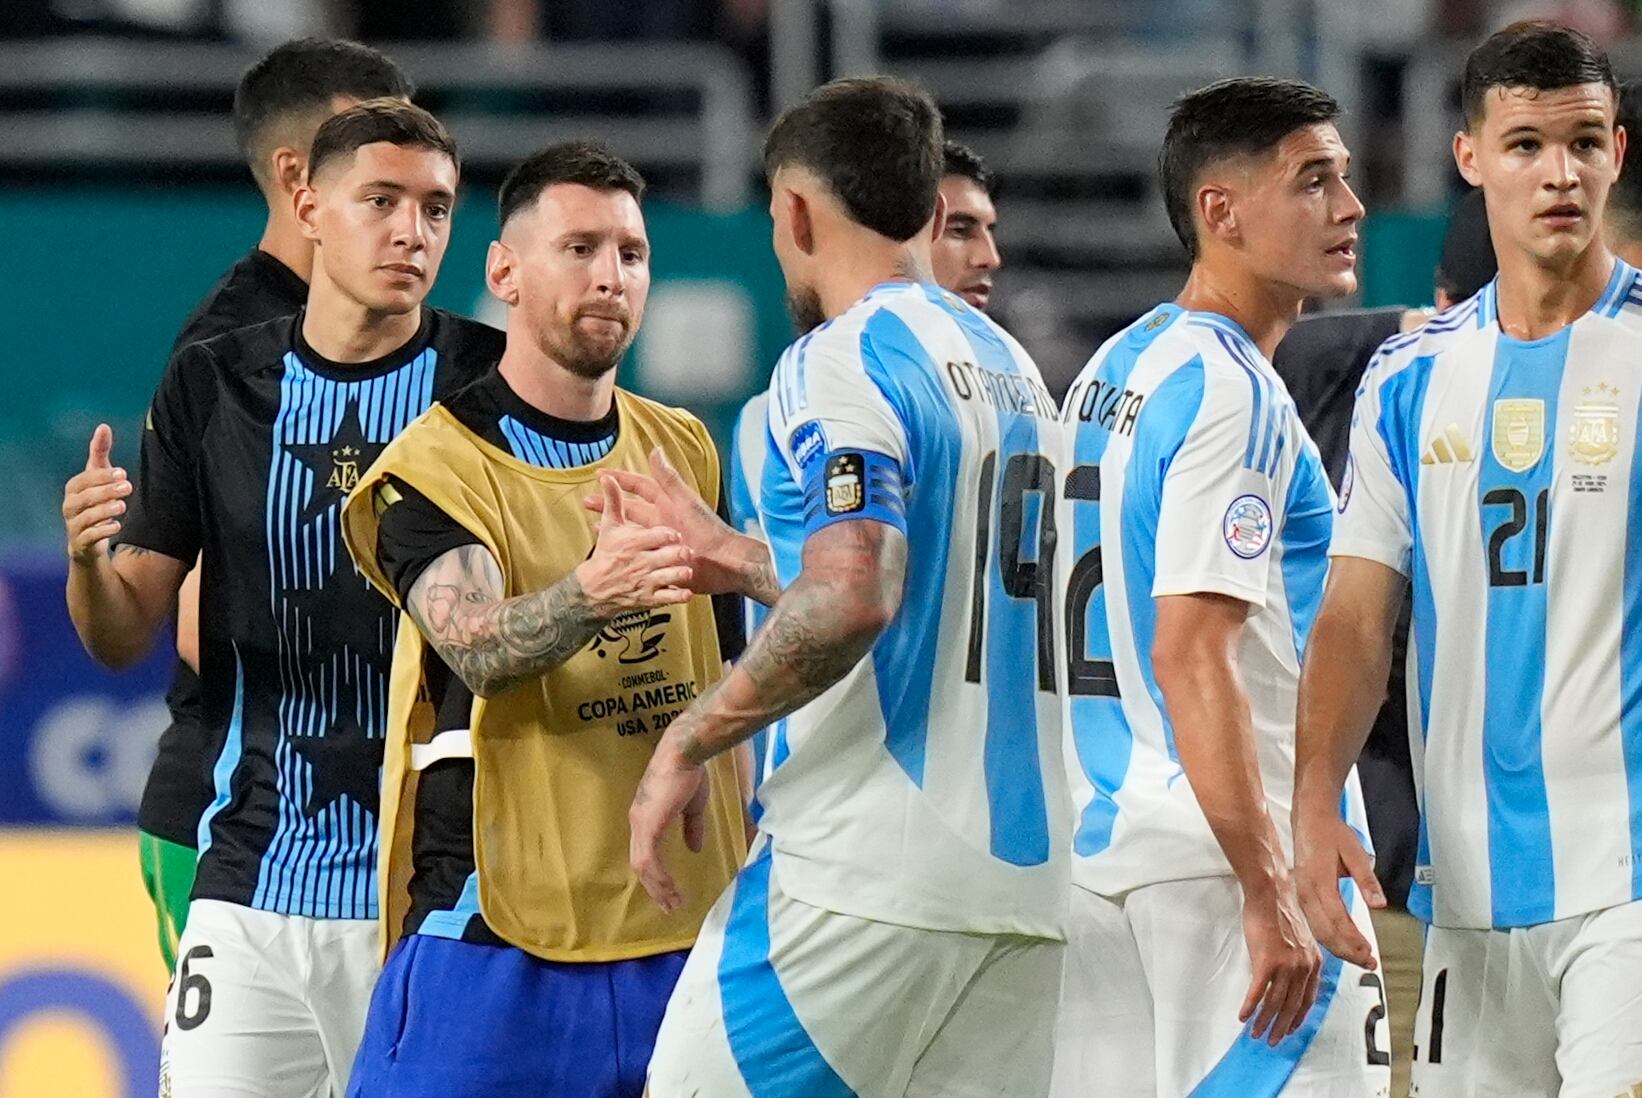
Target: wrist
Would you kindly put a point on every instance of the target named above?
(674, 751)
(579, 587)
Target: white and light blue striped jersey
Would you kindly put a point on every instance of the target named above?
(1503, 477)
(925, 788)
(747, 452)
(1190, 474)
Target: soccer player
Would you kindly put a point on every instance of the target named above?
(280, 102)
(898, 928)
(1493, 461)
(551, 656)
(963, 255)
(253, 440)
(1322, 361)
(1192, 531)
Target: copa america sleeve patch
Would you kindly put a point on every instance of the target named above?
(853, 484)
(1247, 526)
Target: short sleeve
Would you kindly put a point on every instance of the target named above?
(841, 434)
(411, 533)
(163, 512)
(1374, 521)
(1222, 497)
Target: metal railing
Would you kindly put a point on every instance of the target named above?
(88, 101)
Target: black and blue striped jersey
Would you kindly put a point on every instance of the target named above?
(252, 442)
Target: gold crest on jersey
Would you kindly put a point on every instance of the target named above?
(1594, 433)
(1519, 433)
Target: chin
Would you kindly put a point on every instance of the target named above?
(1331, 284)
(397, 304)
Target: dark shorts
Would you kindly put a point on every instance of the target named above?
(452, 1019)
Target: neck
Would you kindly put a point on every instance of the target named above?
(867, 261)
(1538, 299)
(343, 330)
(1265, 310)
(545, 385)
(285, 242)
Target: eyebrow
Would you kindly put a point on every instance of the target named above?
(1319, 162)
(399, 188)
(623, 237)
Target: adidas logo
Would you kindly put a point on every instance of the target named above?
(1447, 448)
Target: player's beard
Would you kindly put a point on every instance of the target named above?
(585, 356)
(805, 306)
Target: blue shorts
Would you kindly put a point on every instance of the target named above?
(450, 1019)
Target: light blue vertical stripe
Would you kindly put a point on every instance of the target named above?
(1521, 870)
(775, 1054)
(1630, 661)
(1100, 732)
(904, 657)
(1014, 774)
(1308, 521)
(233, 746)
(781, 507)
(1402, 407)
(1164, 423)
(1254, 1068)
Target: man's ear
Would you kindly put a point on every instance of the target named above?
(502, 273)
(1465, 158)
(801, 219)
(1216, 214)
(287, 167)
(938, 222)
(304, 202)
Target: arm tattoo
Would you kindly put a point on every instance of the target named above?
(759, 581)
(823, 625)
(494, 644)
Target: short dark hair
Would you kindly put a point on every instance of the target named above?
(375, 120)
(1534, 55)
(300, 79)
(962, 160)
(1244, 116)
(587, 163)
(876, 142)
(1625, 200)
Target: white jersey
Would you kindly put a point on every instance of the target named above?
(925, 788)
(1502, 476)
(1190, 474)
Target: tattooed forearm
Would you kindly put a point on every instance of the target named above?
(823, 625)
(492, 643)
(759, 581)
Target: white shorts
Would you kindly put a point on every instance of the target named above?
(784, 1000)
(264, 1005)
(1149, 1003)
(1550, 1011)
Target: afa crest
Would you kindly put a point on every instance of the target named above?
(1519, 433)
(1594, 427)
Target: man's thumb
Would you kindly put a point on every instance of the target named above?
(102, 442)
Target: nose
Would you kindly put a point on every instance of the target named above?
(410, 226)
(609, 277)
(1351, 207)
(1563, 176)
(984, 256)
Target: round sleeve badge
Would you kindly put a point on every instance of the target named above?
(1247, 526)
